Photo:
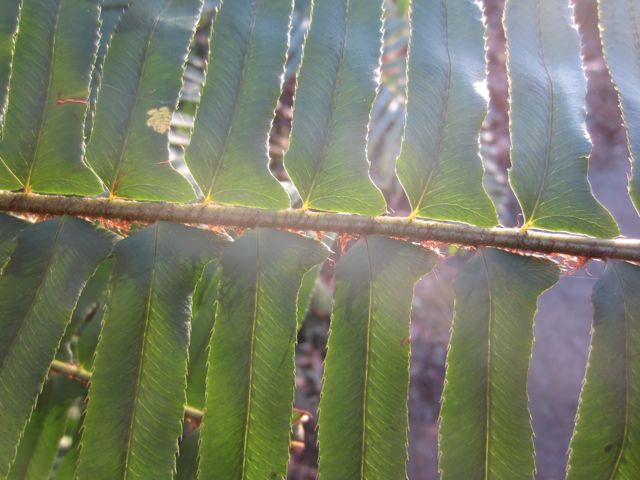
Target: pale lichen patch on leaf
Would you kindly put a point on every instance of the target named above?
(159, 119)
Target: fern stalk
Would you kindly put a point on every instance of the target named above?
(413, 229)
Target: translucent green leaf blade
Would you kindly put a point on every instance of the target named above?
(187, 463)
(137, 393)
(228, 154)
(307, 287)
(619, 26)
(444, 114)
(43, 140)
(327, 158)
(246, 428)
(39, 288)
(9, 227)
(363, 409)
(110, 15)
(39, 445)
(81, 336)
(204, 311)
(67, 468)
(550, 146)
(9, 13)
(141, 80)
(8, 181)
(485, 427)
(607, 433)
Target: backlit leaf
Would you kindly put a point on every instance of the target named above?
(444, 113)
(39, 445)
(228, 154)
(142, 76)
(620, 30)
(136, 398)
(327, 158)
(246, 429)
(9, 13)
(187, 463)
(81, 336)
(485, 427)
(42, 141)
(110, 15)
(39, 288)
(204, 311)
(363, 410)
(607, 433)
(66, 470)
(550, 145)
(307, 287)
(9, 227)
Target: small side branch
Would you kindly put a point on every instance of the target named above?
(192, 414)
(412, 229)
(72, 371)
(80, 375)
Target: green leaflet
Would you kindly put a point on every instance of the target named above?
(142, 75)
(89, 335)
(39, 445)
(305, 293)
(8, 179)
(310, 281)
(9, 13)
(485, 428)
(81, 336)
(363, 409)
(187, 462)
(133, 419)
(9, 227)
(39, 288)
(42, 141)
(67, 468)
(204, 311)
(228, 155)
(110, 15)
(607, 433)
(549, 142)
(337, 84)
(445, 113)
(246, 428)
(620, 31)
